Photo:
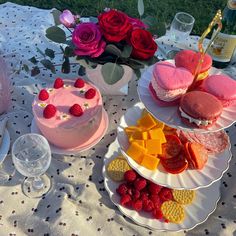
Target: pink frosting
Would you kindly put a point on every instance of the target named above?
(221, 86)
(65, 130)
(170, 77)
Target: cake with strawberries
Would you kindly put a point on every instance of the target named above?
(69, 113)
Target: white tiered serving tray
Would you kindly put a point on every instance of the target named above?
(196, 213)
(188, 179)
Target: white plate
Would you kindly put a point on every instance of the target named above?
(170, 116)
(196, 213)
(57, 150)
(188, 179)
(4, 147)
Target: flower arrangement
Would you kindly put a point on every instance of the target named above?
(112, 39)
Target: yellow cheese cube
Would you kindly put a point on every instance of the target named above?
(139, 142)
(144, 135)
(136, 152)
(137, 135)
(159, 124)
(157, 134)
(130, 130)
(147, 122)
(153, 146)
(150, 162)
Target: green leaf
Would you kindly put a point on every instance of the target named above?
(112, 72)
(126, 51)
(35, 71)
(50, 53)
(137, 73)
(33, 60)
(82, 71)
(149, 20)
(111, 48)
(69, 52)
(25, 68)
(56, 14)
(48, 65)
(140, 7)
(66, 66)
(56, 34)
(40, 51)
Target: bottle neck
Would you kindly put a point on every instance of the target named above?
(232, 4)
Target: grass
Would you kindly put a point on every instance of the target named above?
(164, 10)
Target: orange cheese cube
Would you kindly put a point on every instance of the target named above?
(146, 122)
(144, 135)
(137, 135)
(136, 152)
(159, 124)
(157, 134)
(139, 142)
(153, 146)
(130, 130)
(150, 162)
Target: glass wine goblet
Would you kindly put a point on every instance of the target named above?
(31, 156)
(181, 26)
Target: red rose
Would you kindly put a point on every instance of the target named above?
(144, 47)
(114, 25)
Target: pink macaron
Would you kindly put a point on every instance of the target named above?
(169, 83)
(221, 86)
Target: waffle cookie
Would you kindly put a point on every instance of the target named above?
(117, 167)
(173, 211)
(183, 196)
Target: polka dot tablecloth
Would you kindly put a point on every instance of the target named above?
(78, 203)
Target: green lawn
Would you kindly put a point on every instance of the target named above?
(163, 10)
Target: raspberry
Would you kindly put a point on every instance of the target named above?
(125, 199)
(137, 205)
(154, 188)
(144, 196)
(130, 176)
(136, 194)
(122, 189)
(157, 214)
(79, 83)
(166, 221)
(58, 83)
(156, 201)
(43, 95)
(49, 111)
(76, 110)
(148, 205)
(140, 184)
(90, 93)
(165, 194)
(130, 191)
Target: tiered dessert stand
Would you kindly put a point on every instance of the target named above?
(206, 182)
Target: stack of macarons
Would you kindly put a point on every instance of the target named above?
(169, 83)
(189, 60)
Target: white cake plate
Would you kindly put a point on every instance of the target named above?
(93, 141)
(170, 115)
(196, 213)
(213, 170)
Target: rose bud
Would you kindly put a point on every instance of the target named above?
(67, 19)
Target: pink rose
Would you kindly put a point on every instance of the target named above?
(88, 40)
(137, 24)
(67, 18)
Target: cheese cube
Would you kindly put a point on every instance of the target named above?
(136, 152)
(157, 134)
(139, 142)
(146, 122)
(150, 162)
(153, 146)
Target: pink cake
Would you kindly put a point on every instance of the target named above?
(169, 83)
(68, 114)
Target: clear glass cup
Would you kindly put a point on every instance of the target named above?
(31, 156)
(181, 26)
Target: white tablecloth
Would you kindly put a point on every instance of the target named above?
(78, 203)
